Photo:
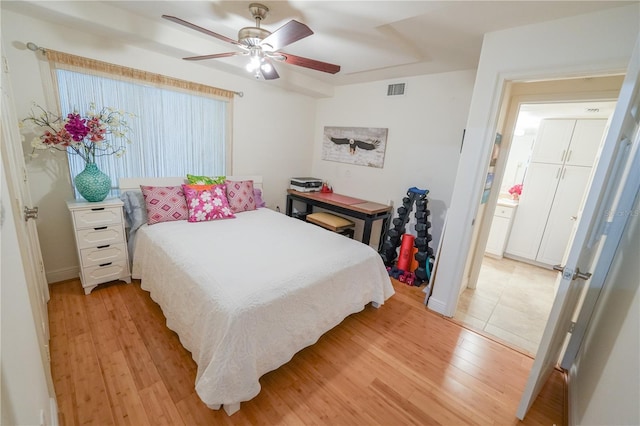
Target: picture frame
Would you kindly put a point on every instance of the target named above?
(362, 146)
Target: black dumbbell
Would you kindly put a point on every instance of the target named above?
(423, 241)
(421, 273)
(422, 215)
(423, 226)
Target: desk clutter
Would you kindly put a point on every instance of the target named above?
(406, 270)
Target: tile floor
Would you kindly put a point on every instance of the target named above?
(511, 301)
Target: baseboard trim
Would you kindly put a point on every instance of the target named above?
(526, 260)
(437, 306)
(62, 275)
(54, 412)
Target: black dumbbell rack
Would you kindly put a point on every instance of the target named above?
(394, 235)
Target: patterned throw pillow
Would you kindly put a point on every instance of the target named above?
(207, 204)
(164, 203)
(257, 193)
(240, 195)
(206, 180)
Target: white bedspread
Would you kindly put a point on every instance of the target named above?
(246, 294)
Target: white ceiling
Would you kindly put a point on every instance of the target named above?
(370, 40)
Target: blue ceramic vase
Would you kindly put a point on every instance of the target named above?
(92, 184)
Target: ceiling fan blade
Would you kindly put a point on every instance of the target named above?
(271, 74)
(310, 63)
(289, 33)
(197, 28)
(213, 56)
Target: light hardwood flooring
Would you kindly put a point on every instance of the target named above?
(511, 302)
(115, 362)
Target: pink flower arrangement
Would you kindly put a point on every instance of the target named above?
(516, 191)
(85, 135)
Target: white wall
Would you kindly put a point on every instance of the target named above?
(517, 162)
(605, 377)
(590, 44)
(272, 128)
(423, 144)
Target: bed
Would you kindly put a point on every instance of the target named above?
(245, 294)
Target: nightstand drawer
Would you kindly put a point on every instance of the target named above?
(103, 254)
(99, 236)
(502, 211)
(102, 273)
(97, 216)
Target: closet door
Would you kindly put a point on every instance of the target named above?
(564, 212)
(552, 142)
(586, 140)
(535, 202)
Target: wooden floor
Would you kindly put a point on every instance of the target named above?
(115, 362)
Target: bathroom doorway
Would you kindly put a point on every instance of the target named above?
(513, 293)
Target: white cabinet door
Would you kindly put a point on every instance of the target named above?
(497, 236)
(564, 213)
(500, 229)
(552, 142)
(533, 209)
(586, 140)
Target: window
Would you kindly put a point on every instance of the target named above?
(173, 133)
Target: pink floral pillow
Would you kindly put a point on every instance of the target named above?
(164, 203)
(207, 204)
(240, 195)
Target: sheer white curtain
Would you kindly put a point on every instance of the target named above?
(173, 133)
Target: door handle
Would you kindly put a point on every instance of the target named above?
(574, 275)
(30, 213)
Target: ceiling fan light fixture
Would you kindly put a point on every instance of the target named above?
(256, 59)
(260, 44)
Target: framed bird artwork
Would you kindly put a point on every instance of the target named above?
(362, 146)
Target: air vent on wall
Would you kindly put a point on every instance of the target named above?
(396, 89)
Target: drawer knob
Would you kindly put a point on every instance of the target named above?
(105, 246)
(100, 228)
(105, 264)
(95, 209)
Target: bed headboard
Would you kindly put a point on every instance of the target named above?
(133, 184)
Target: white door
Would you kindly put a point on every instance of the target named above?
(586, 250)
(564, 212)
(15, 170)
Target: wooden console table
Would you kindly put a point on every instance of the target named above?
(367, 211)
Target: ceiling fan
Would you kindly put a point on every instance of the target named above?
(263, 46)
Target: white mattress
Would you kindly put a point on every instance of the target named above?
(245, 294)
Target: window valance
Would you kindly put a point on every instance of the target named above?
(68, 61)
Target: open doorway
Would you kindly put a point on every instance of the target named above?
(511, 284)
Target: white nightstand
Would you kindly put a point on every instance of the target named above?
(100, 241)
